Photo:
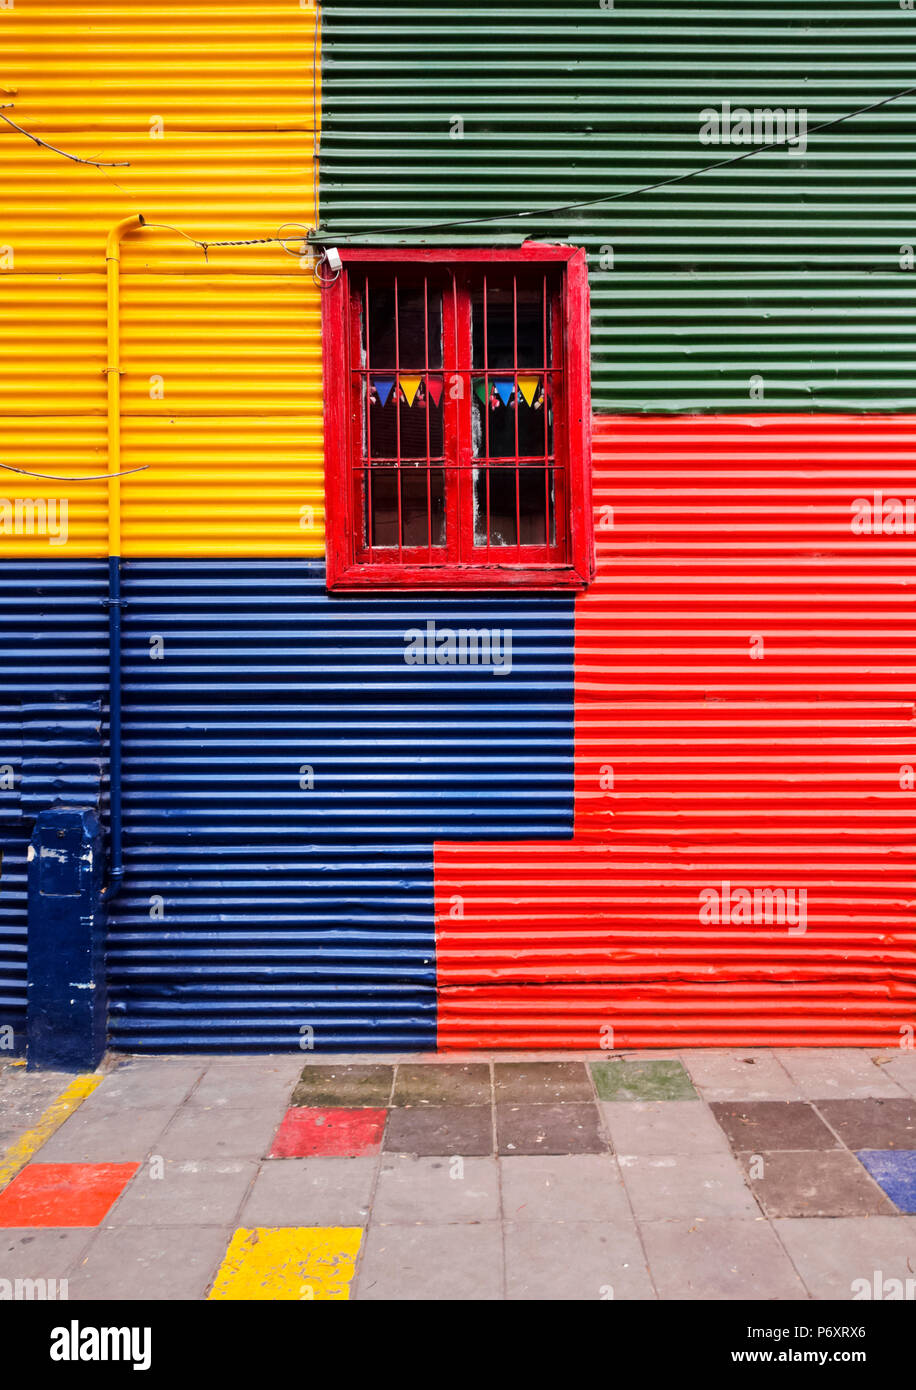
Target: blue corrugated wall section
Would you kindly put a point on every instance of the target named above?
(13, 920)
(53, 626)
(286, 774)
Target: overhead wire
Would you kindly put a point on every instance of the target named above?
(76, 158)
(606, 197)
(78, 478)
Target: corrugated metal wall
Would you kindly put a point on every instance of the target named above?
(744, 715)
(255, 907)
(55, 639)
(256, 904)
(782, 283)
(212, 106)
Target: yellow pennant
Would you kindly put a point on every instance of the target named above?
(528, 386)
(410, 385)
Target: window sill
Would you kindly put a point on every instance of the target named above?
(484, 578)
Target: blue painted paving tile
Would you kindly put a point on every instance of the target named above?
(894, 1170)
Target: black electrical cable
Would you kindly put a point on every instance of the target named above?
(606, 197)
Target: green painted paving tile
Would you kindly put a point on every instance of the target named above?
(619, 1079)
(345, 1086)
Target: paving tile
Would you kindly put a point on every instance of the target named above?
(571, 1128)
(442, 1129)
(29, 1253)
(450, 1055)
(685, 1186)
(719, 1258)
(743, 1074)
(578, 1260)
(232, 1087)
(813, 1183)
(432, 1263)
(145, 1087)
(311, 1192)
(528, 1056)
(436, 1190)
(447, 1083)
(872, 1124)
(289, 1263)
(853, 1258)
(348, 1087)
(107, 1135)
(388, 1059)
(200, 1192)
(331, 1133)
(63, 1194)
(148, 1262)
(895, 1172)
(541, 1083)
(570, 1187)
(620, 1080)
(900, 1066)
(642, 1054)
(281, 1064)
(772, 1124)
(826, 1072)
(662, 1127)
(200, 1133)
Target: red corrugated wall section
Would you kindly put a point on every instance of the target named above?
(745, 679)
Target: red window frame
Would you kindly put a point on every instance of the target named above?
(353, 563)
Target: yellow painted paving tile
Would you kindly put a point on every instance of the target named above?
(289, 1262)
(28, 1144)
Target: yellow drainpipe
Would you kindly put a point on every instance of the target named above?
(113, 370)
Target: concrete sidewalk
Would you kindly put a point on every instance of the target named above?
(762, 1174)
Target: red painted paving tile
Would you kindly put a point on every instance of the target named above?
(64, 1194)
(310, 1132)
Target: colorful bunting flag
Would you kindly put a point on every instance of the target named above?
(528, 386)
(480, 391)
(434, 387)
(504, 390)
(410, 385)
(383, 385)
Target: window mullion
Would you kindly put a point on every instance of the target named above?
(457, 418)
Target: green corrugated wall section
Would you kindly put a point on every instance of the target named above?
(781, 283)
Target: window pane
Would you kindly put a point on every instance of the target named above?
(382, 505)
(421, 523)
(533, 487)
(534, 498)
(415, 508)
(493, 420)
(497, 348)
(411, 408)
(499, 505)
(419, 325)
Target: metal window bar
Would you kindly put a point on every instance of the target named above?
(429, 486)
(453, 484)
(548, 477)
(486, 412)
(366, 397)
(397, 405)
(518, 505)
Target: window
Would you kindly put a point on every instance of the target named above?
(458, 420)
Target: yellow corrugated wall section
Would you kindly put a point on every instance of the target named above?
(212, 104)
